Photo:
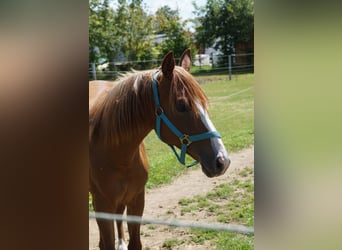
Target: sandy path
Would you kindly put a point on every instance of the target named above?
(162, 202)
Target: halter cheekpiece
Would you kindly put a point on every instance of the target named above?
(185, 139)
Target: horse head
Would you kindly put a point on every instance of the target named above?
(182, 118)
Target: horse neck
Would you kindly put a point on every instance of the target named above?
(134, 141)
(131, 110)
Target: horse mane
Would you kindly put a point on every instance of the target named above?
(118, 115)
(121, 111)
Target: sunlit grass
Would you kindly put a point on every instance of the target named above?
(231, 203)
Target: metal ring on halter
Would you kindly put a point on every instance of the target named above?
(185, 140)
(159, 111)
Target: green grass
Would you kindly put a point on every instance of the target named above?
(229, 203)
(90, 203)
(197, 69)
(170, 243)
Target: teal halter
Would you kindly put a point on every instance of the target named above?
(185, 139)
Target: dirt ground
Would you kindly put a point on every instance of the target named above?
(162, 203)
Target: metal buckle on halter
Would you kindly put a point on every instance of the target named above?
(185, 140)
(159, 111)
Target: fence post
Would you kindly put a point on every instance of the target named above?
(114, 69)
(230, 66)
(93, 70)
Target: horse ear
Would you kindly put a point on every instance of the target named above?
(168, 65)
(185, 60)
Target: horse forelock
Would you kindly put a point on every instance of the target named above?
(184, 85)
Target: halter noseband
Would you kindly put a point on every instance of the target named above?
(185, 139)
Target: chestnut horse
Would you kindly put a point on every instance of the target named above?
(121, 114)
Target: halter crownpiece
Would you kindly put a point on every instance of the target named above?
(185, 139)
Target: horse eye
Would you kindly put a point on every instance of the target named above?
(182, 106)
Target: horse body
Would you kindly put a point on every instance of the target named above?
(121, 114)
(117, 177)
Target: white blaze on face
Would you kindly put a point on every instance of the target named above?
(216, 143)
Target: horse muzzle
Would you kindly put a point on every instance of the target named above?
(216, 167)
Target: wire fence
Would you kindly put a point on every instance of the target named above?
(213, 63)
(174, 223)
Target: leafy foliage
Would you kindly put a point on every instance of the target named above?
(102, 31)
(222, 23)
(127, 31)
(136, 27)
(168, 22)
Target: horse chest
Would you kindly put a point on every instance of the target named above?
(129, 184)
(121, 180)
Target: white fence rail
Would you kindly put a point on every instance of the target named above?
(174, 223)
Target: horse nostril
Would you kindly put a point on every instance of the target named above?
(222, 163)
(219, 164)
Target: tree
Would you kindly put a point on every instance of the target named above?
(137, 30)
(127, 29)
(222, 23)
(102, 38)
(168, 22)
